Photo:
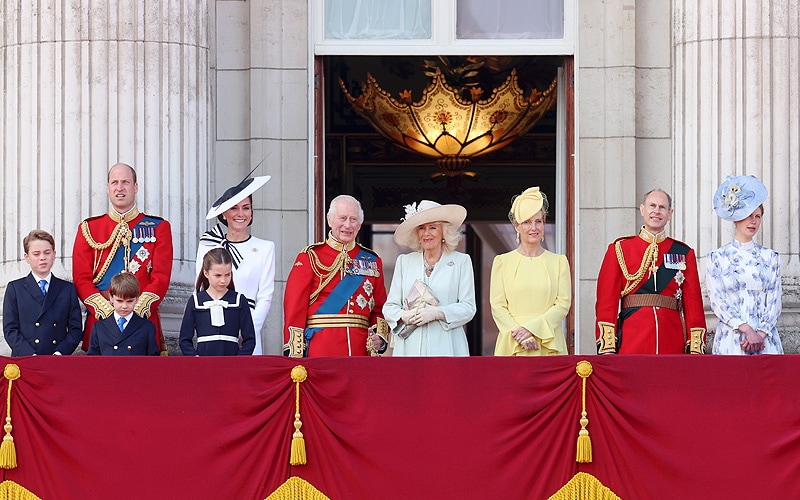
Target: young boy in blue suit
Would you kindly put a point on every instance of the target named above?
(41, 313)
(124, 333)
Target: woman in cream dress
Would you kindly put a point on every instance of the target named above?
(530, 290)
(431, 230)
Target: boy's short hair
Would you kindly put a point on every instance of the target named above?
(124, 286)
(38, 234)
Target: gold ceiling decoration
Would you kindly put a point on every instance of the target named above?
(445, 126)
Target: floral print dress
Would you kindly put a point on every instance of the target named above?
(743, 281)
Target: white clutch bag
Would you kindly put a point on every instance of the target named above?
(419, 295)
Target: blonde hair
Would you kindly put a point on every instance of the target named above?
(450, 234)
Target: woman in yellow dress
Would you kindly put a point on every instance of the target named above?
(530, 290)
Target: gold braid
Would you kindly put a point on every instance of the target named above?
(633, 280)
(325, 273)
(121, 234)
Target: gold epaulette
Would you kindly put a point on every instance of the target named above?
(309, 247)
(623, 238)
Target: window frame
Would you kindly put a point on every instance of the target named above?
(443, 37)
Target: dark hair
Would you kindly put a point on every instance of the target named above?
(214, 256)
(222, 219)
(38, 234)
(124, 286)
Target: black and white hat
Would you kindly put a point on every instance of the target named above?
(237, 193)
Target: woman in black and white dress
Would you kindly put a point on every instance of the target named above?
(253, 258)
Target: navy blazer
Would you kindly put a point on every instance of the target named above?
(38, 324)
(138, 338)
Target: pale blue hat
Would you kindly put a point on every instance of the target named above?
(738, 197)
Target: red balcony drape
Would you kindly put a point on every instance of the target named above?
(661, 426)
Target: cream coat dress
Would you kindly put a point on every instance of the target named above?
(453, 284)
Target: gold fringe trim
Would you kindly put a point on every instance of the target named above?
(296, 488)
(298, 453)
(584, 451)
(8, 452)
(9, 490)
(584, 486)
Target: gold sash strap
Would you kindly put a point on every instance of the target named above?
(337, 321)
(649, 300)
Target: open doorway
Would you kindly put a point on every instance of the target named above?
(384, 177)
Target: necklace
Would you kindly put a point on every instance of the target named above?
(429, 268)
(530, 253)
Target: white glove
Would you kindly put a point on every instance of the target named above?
(407, 316)
(428, 314)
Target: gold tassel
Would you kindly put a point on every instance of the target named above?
(298, 455)
(8, 452)
(584, 452)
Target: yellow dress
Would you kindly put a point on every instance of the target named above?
(533, 292)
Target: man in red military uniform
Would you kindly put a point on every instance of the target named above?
(335, 293)
(648, 290)
(122, 240)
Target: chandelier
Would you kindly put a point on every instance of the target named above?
(447, 126)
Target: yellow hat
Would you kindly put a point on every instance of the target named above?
(527, 204)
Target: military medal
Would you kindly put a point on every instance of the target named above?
(135, 233)
(361, 267)
(142, 254)
(677, 262)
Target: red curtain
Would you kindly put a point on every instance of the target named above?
(661, 426)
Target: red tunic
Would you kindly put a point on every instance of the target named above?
(152, 264)
(649, 329)
(367, 301)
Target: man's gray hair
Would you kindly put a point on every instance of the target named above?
(346, 197)
(669, 198)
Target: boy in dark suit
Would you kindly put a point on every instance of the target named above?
(124, 333)
(41, 313)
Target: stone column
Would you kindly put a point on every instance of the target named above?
(262, 92)
(736, 112)
(89, 83)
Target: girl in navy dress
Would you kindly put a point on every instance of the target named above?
(217, 313)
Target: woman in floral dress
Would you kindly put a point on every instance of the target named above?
(743, 279)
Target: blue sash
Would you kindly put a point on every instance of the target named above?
(118, 262)
(341, 293)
